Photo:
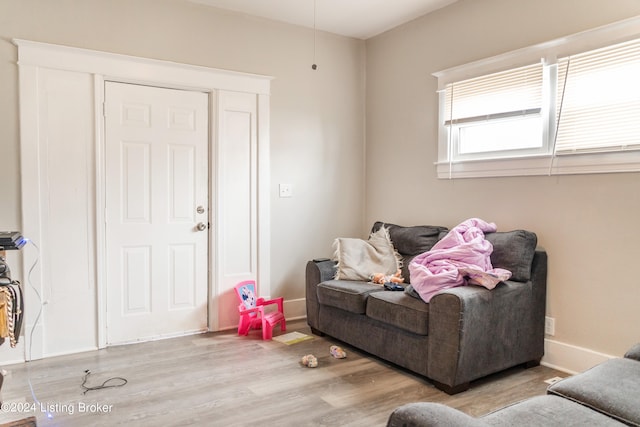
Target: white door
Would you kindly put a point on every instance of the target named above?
(156, 161)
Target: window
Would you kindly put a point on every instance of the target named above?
(496, 115)
(567, 108)
(600, 109)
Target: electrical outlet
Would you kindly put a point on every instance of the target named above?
(286, 190)
(549, 326)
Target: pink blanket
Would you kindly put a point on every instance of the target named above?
(461, 257)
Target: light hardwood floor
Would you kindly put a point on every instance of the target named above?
(221, 379)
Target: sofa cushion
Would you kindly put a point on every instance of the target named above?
(633, 352)
(611, 388)
(347, 295)
(400, 310)
(404, 270)
(513, 251)
(431, 414)
(412, 240)
(547, 411)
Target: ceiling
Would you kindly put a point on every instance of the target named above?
(353, 18)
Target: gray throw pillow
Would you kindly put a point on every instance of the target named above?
(513, 251)
(412, 240)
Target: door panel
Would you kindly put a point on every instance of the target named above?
(237, 221)
(156, 178)
(136, 179)
(136, 283)
(181, 192)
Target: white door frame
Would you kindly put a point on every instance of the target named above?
(103, 66)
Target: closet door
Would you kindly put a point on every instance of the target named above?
(237, 221)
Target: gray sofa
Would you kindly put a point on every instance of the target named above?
(606, 395)
(462, 334)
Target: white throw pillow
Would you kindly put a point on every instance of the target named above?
(359, 259)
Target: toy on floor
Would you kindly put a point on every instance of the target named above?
(254, 311)
(309, 360)
(337, 352)
(381, 279)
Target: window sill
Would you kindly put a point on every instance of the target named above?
(566, 164)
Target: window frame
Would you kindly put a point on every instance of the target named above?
(543, 161)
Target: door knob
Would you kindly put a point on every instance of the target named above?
(201, 226)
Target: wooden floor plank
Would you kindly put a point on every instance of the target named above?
(230, 380)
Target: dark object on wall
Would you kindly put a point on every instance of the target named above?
(11, 240)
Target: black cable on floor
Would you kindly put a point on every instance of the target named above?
(105, 384)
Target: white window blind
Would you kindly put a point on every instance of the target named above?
(600, 103)
(495, 96)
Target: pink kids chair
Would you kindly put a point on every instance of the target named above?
(252, 311)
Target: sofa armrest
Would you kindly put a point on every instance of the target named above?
(633, 352)
(474, 331)
(425, 414)
(317, 272)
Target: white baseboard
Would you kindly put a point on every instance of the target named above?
(10, 355)
(295, 308)
(570, 358)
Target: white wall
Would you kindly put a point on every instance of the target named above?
(587, 223)
(317, 117)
